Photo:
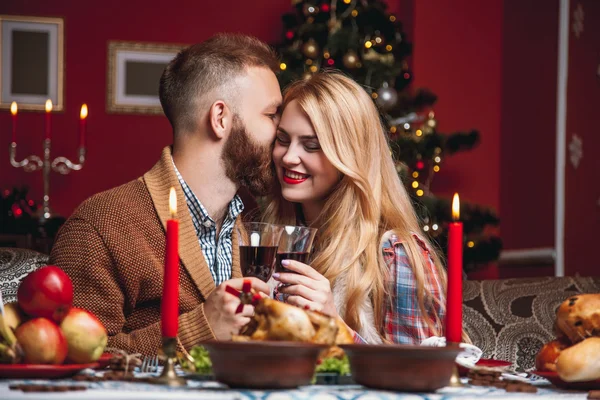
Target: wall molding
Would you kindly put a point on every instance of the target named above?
(541, 256)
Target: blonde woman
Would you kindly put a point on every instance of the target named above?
(369, 264)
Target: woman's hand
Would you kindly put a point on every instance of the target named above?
(306, 288)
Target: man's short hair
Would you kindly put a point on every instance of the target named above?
(201, 68)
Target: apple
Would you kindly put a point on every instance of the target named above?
(13, 316)
(85, 335)
(47, 293)
(42, 342)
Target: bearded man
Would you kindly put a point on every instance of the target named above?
(222, 99)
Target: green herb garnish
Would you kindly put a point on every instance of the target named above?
(202, 363)
(335, 365)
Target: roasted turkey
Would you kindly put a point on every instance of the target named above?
(275, 320)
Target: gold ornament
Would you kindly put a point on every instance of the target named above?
(350, 59)
(311, 49)
(306, 76)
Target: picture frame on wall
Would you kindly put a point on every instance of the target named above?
(134, 71)
(31, 62)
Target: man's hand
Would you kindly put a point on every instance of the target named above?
(220, 307)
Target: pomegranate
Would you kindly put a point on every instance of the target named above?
(42, 342)
(85, 335)
(47, 292)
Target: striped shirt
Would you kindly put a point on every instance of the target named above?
(217, 251)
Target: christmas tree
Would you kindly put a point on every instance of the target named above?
(363, 40)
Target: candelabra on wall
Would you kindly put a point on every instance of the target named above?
(61, 165)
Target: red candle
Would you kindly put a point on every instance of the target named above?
(170, 298)
(82, 124)
(48, 135)
(455, 269)
(13, 111)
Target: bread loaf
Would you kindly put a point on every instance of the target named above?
(580, 362)
(578, 317)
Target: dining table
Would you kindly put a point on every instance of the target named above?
(210, 389)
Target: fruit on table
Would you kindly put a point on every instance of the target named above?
(42, 342)
(10, 351)
(13, 315)
(47, 292)
(85, 335)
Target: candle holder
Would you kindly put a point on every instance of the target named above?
(169, 376)
(455, 378)
(32, 163)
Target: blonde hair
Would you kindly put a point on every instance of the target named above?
(368, 201)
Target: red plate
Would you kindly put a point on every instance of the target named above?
(484, 362)
(556, 381)
(104, 360)
(41, 371)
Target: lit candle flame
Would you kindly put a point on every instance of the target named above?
(48, 105)
(455, 207)
(13, 108)
(84, 112)
(173, 203)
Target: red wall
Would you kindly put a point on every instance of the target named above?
(120, 147)
(458, 56)
(528, 130)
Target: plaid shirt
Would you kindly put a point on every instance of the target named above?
(218, 252)
(403, 321)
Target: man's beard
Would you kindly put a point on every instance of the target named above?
(248, 163)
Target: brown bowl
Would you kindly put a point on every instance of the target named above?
(263, 365)
(404, 368)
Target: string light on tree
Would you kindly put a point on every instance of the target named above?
(350, 59)
(377, 39)
(311, 49)
(310, 10)
(368, 44)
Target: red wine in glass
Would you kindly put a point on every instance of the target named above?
(298, 256)
(258, 261)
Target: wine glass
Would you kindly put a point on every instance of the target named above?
(295, 244)
(258, 246)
